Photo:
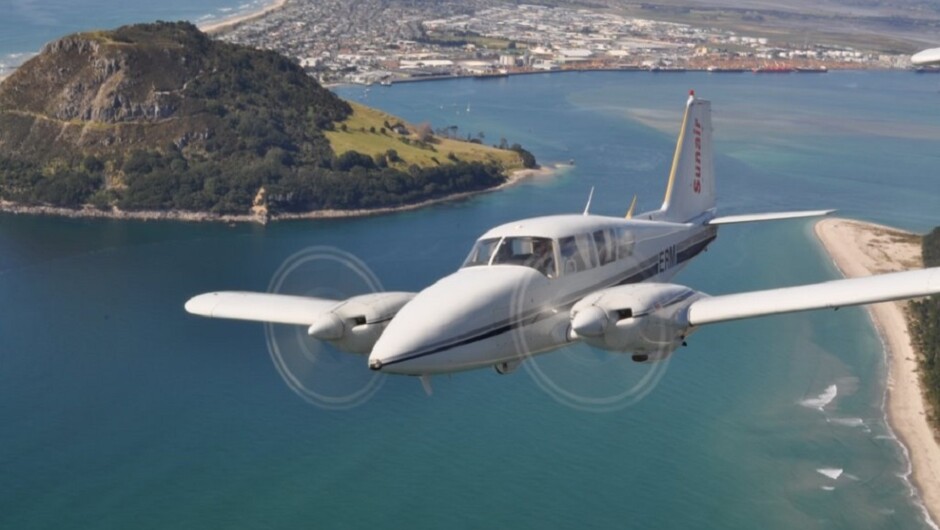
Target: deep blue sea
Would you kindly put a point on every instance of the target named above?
(119, 410)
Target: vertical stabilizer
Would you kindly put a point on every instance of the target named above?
(691, 188)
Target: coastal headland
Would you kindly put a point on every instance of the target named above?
(863, 249)
(160, 120)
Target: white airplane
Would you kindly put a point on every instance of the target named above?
(926, 57)
(536, 285)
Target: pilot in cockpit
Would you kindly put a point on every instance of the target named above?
(543, 257)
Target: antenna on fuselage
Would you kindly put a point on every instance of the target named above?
(426, 383)
(587, 207)
(631, 208)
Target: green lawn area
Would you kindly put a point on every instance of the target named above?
(358, 137)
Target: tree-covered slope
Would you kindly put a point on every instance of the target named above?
(925, 330)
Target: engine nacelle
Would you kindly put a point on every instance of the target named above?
(355, 325)
(646, 319)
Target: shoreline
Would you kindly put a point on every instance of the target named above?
(861, 249)
(230, 22)
(87, 212)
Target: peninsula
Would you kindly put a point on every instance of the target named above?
(863, 249)
(159, 120)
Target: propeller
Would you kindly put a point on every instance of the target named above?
(579, 376)
(311, 367)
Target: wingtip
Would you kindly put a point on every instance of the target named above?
(201, 304)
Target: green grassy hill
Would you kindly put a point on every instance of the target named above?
(368, 131)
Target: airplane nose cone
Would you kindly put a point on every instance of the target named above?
(432, 331)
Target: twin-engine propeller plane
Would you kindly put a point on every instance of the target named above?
(538, 284)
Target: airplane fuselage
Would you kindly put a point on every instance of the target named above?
(498, 309)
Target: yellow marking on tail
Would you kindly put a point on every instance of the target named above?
(675, 157)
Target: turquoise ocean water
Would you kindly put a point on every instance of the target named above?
(119, 410)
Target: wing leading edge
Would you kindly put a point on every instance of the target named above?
(774, 216)
(832, 294)
(260, 307)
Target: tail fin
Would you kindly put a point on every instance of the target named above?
(691, 189)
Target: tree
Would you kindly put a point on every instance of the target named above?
(424, 132)
(528, 159)
(351, 159)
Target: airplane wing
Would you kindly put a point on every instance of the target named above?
(931, 56)
(775, 216)
(260, 307)
(833, 294)
(352, 325)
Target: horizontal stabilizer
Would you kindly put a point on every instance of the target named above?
(260, 307)
(834, 294)
(774, 216)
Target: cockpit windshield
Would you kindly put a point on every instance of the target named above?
(535, 252)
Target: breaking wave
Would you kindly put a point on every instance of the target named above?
(819, 402)
(832, 472)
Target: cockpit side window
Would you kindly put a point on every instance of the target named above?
(482, 252)
(576, 254)
(535, 252)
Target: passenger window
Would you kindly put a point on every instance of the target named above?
(625, 243)
(576, 253)
(604, 246)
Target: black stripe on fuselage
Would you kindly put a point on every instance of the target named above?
(698, 244)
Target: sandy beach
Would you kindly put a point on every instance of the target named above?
(863, 249)
(222, 25)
